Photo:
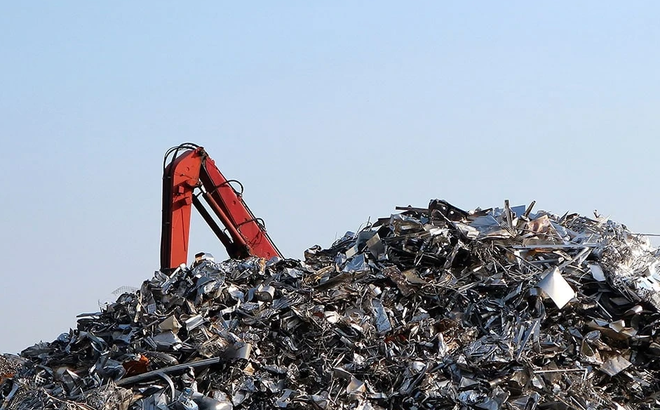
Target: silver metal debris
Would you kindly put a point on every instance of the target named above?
(430, 308)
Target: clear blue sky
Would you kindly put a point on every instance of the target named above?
(328, 112)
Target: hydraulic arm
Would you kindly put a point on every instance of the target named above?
(191, 178)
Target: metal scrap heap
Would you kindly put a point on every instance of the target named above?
(431, 308)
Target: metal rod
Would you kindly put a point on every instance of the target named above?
(172, 369)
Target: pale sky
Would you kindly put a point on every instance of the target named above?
(329, 113)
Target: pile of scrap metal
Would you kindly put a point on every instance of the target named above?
(431, 308)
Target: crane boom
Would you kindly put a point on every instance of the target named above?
(189, 175)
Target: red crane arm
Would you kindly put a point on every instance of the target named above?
(189, 175)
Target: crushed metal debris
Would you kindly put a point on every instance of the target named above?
(431, 308)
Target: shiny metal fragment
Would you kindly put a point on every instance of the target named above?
(615, 365)
(557, 288)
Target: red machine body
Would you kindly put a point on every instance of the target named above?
(189, 175)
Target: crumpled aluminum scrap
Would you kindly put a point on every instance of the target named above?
(431, 308)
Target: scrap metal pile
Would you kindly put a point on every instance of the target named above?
(431, 308)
